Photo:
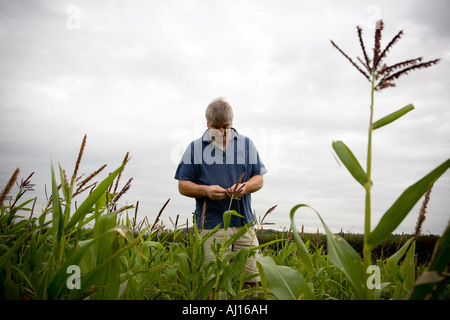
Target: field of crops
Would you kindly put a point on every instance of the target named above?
(54, 255)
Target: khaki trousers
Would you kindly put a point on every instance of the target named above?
(245, 241)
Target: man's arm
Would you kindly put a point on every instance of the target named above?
(193, 190)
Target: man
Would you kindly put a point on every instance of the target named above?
(208, 172)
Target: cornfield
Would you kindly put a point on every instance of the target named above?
(59, 255)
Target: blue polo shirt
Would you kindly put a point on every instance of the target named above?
(204, 163)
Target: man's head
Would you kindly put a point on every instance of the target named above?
(219, 113)
(219, 118)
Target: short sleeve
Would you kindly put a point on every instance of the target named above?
(186, 170)
(257, 166)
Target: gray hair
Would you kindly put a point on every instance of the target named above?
(219, 111)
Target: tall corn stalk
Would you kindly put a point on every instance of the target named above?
(380, 77)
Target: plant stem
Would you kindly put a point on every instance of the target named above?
(367, 253)
(231, 200)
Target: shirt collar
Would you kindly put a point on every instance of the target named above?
(206, 137)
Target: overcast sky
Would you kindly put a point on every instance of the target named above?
(137, 76)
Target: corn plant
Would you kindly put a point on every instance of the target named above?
(37, 255)
(380, 77)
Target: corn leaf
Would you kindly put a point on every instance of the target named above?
(237, 235)
(204, 236)
(392, 117)
(104, 223)
(22, 205)
(350, 162)
(284, 282)
(104, 278)
(17, 228)
(104, 275)
(392, 261)
(302, 250)
(63, 184)
(58, 282)
(408, 270)
(441, 254)
(102, 251)
(341, 254)
(151, 244)
(435, 279)
(405, 281)
(57, 218)
(347, 260)
(42, 218)
(227, 217)
(32, 250)
(90, 201)
(400, 209)
(232, 269)
(6, 257)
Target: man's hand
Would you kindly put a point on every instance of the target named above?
(216, 192)
(191, 189)
(254, 184)
(241, 190)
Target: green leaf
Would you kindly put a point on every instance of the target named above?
(22, 205)
(441, 254)
(105, 198)
(6, 257)
(104, 277)
(17, 228)
(284, 282)
(302, 250)
(64, 185)
(392, 117)
(347, 260)
(57, 219)
(227, 217)
(206, 236)
(42, 218)
(232, 269)
(400, 209)
(405, 280)
(32, 250)
(392, 261)
(341, 254)
(67, 195)
(87, 204)
(152, 244)
(238, 234)
(351, 163)
(104, 223)
(435, 279)
(58, 282)
(408, 270)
